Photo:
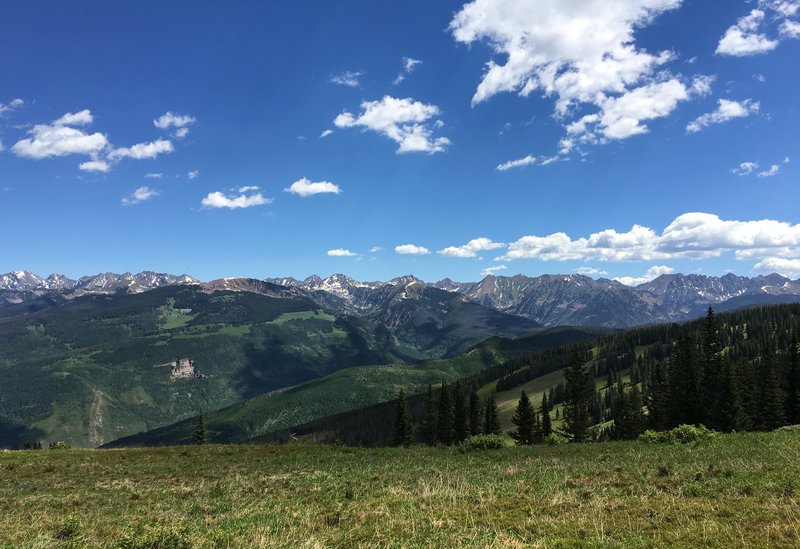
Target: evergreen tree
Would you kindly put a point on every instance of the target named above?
(200, 434)
(793, 384)
(729, 414)
(444, 429)
(547, 426)
(491, 422)
(770, 399)
(629, 422)
(430, 423)
(684, 377)
(525, 421)
(712, 366)
(460, 417)
(474, 414)
(579, 392)
(403, 428)
(658, 403)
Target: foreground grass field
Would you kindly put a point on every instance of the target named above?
(732, 491)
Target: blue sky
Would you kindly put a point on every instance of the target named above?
(610, 138)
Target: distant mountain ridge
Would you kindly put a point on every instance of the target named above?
(549, 300)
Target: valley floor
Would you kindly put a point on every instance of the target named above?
(733, 491)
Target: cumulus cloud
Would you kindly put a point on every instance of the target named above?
(375, 249)
(409, 64)
(590, 271)
(726, 110)
(407, 122)
(651, 274)
(789, 268)
(351, 79)
(12, 105)
(745, 168)
(194, 174)
(471, 248)
(95, 166)
(773, 170)
(62, 138)
(153, 175)
(139, 195)
(493, 270)
(180, 123)
(749, 35)
(325, 133)
(693, 235)
(233, 201)
(341, 252)
(578, 53)
(411, 249)
(142, 150)
(304, 187)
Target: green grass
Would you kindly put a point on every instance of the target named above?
(737, 490)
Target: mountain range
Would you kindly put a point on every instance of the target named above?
(547, 300)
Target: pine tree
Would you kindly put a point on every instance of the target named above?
(444, 429)
(629, 422)
(525, 420)
(428, 429)
(547, 426)
(579, 392)
(491, 422)
(729, 414)
(460, 418)
(684, 377)
(793, 384)
(712, 366)
(770, 399)
(474, 414)
(658, 403)
(200, 434)
(403, 428)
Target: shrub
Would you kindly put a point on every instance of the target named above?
(60, 445)
(553, 439)
(485, 442)
(681, 434)
(789, 429)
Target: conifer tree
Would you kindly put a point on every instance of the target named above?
(658, 403)
(474, 414)
(444, 429)
(770, 400)
(430, 425)
(403, 428)
(684, 377)
(547, 426)
(200, 435)
(712, 366)
(579, 392)
(793, 384)
(491, 422)
(525, 419)
(629, 422)
(729, 414)
(460, 417)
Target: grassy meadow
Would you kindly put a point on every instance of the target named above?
(733, 490)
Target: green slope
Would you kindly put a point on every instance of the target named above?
(349, 389)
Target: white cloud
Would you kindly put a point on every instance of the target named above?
(651, 274)
(693, 235)
(404, 121)
(152, 175)
(409, 64)
(347, 78)
(247, 188)
(411, 249)
(773, 170)
(524, 161)
(488, 271)
(375, 249)
(12, 105)
(180, 122)
(749, 35)
(787, 267)
(341, 252)
(304, 187)
(325, 133)
(142, 150)
(590, 271)
(471, 248)
(60, 138)
(579, 53)
(194, 174)
(220, 200)
(745, 168)
(139, 195)
(726, 110)
(95, 166)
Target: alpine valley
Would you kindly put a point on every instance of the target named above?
(108, 356)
